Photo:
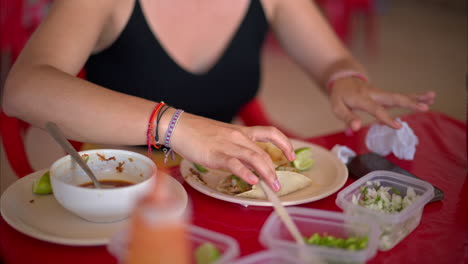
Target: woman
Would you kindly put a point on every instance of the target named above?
(201, 56)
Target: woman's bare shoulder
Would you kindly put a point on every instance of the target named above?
(70, 27)
(105, 7)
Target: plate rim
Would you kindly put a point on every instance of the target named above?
(36, 233)
(255, 202)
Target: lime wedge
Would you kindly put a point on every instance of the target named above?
(206, 253)
(42, 185)
(303, 159)
(200, 168)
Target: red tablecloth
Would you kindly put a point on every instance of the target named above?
(441, 237)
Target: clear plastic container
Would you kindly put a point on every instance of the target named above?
(275, 236)
(394, 227)
(227, 245)
(268, 257)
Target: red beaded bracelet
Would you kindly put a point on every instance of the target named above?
(151, 129)
(345, 74)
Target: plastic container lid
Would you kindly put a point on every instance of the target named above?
(227, 245)
(396, 225)
(274, 235)
(268, 257)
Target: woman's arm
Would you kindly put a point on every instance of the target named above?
(306, 36)
(42, 87)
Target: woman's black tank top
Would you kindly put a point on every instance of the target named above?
(137, 64)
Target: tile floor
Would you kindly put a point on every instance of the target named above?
(420, 47)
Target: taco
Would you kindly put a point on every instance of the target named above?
(290, 182)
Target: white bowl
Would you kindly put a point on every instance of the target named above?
(102, 205)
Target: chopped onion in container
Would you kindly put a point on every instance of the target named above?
(383, 199)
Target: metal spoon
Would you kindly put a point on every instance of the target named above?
(57, 134)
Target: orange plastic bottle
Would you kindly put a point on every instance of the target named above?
(158, 231)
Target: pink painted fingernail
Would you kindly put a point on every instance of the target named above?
(293, 155)
(253, 179)
(276, 185)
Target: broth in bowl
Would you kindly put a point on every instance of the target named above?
(108, 184)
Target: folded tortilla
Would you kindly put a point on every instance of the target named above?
(276, 154)
(290, 182)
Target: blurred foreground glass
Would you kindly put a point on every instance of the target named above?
(158, 229)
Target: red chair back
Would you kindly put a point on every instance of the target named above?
(18, 20)
(253, 114)
(340, 15)
(13, 131)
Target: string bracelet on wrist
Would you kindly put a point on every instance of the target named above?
(150, 132)
(170, 131)
(344, 74)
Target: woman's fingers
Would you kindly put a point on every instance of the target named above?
(235, 166)
(388, 99)
(343, 108)
(425, 98)
(247, 161)
(254, 157)
(378, 111)
(225, 146)
(348, 95)
(352, 96)
(344, 113)
(273, 135)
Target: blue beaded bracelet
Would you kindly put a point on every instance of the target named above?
(172, 125)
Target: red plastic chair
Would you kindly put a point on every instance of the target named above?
(340, 14)
(18, 19)
(13, 131)
(253, 114)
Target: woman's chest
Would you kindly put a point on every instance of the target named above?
(195, 34)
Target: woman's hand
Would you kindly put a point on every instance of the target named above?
(350, 94)
(220, 145)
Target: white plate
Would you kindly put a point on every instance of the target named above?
(328, 175)
(42, 217)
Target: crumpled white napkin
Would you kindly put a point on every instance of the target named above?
(343, 153)
(383, 140)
